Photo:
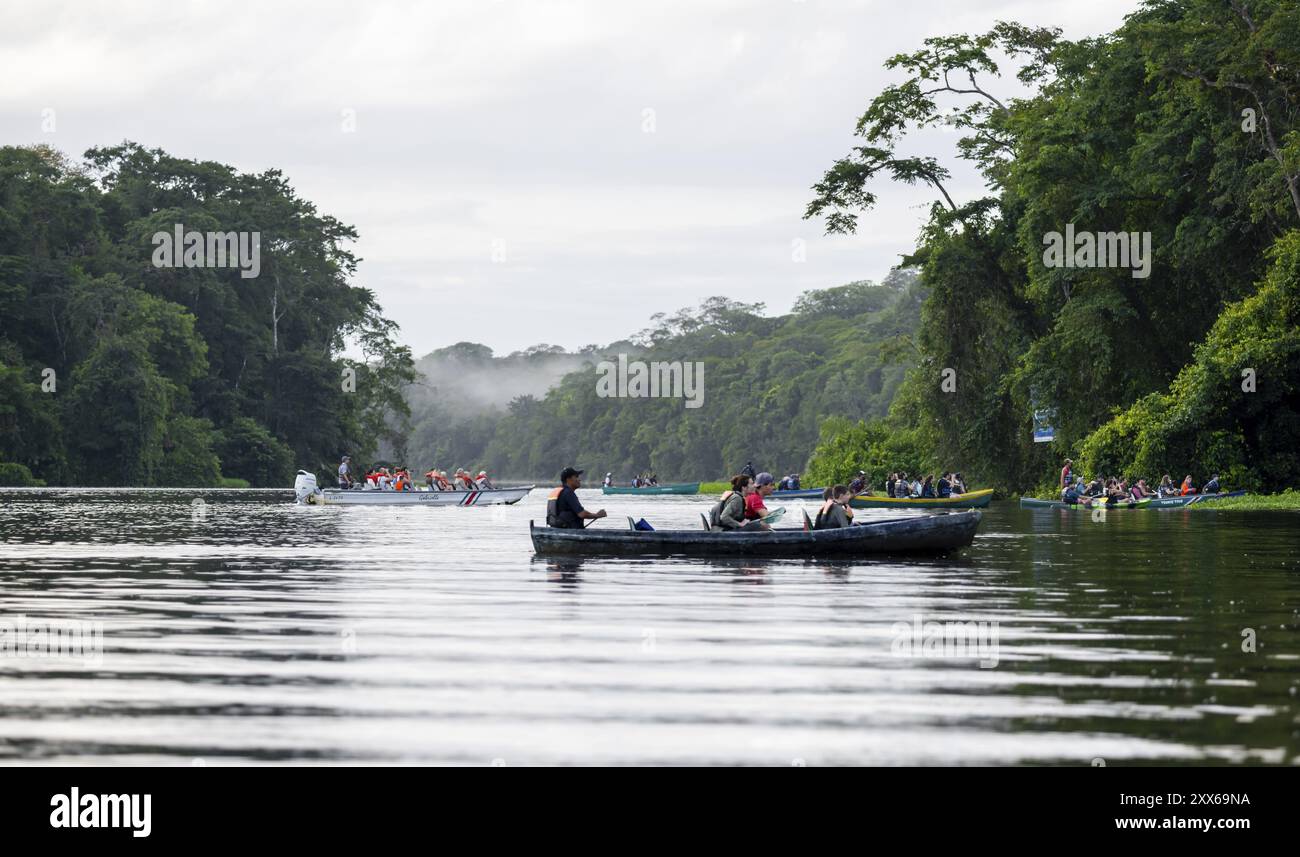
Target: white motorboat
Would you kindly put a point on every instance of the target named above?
(307, 492)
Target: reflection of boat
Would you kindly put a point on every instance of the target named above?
(918, 534)
(306, 491)
(969, 500)
(678, 488)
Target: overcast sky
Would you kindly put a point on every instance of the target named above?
(508, 180)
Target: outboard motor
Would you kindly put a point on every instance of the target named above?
(304, 488)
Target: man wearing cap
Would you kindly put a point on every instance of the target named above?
(562, 506)
(754, 507)
(345, 472)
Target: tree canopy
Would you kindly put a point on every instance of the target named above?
(115, 371)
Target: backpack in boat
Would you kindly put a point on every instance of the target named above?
(715, 514)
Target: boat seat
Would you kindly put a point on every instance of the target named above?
(631, 524)
(807, 521)
(704, 520)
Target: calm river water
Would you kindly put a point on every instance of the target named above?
(251, 630)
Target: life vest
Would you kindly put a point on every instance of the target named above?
(556, 517)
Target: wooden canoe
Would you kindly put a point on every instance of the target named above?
(969, 500)
(926, 534)
(678, 488)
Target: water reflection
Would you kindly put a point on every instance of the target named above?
(263, 631)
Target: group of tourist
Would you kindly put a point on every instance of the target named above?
(399, 479)
(902, 486)
(741, 507)
(1113, 489)
(641, 480)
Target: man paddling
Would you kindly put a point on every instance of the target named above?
(562, 507)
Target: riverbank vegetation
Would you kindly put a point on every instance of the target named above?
(1287, 501)
(769, 382)
(116, 372)
(1182, 124)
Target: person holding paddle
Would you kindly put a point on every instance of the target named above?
(562, 506)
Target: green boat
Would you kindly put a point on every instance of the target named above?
(677, 488)
(1145, 503)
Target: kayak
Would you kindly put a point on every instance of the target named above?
(1035, 503)
(926, 534)
(678, 488)
(969, 500)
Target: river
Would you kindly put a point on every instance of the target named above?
(244, 629)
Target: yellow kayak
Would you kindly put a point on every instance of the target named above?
(969, 500)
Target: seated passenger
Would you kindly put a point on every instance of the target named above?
(755, 509)
(834, 512)
(729, 512)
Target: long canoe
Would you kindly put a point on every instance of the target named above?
(969, 500)
(678, 488)
(1035, 503)
(932, 534)
(1145, 503)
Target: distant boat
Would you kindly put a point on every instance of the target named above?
(799, 494)
(307, 493)
(678, 488)
(1035, 503)
(969, 500)
(918, 534)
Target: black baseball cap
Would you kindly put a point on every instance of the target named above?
(570, 471)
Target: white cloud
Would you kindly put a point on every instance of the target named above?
(519, 121)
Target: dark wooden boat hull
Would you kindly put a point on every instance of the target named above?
(923, 534)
